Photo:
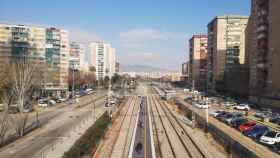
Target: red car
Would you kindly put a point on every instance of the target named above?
(246, 126)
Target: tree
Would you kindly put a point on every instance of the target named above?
(4, 121)
(76, 74)
(25, 76)
(87, 79)
(106, 81)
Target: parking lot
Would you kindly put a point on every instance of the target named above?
(261, 125)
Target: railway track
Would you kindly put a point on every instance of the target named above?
(162, 152)
(129, 133)
(156, 132)
(131, 106)
(189, 145)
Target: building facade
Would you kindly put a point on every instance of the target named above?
(117, 67)
(264, 52)
(76, 56)
(226, 52)
(19, 40)
(103, 58)
(47, 47)
(57, 60)
(198, 61)
(185, 72)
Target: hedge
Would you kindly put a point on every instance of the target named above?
(90, 139)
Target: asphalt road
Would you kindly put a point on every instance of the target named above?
(58, 121)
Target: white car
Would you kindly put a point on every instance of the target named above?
(51, 102)
(270, 138)
(201, 105)
(216, 113)
(42, 104)
(204, 106)
(229, 104)
(242, 107)
(62, 99)
(195, 92)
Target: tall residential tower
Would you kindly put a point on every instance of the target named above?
(198, 61)
(226, 51)
(103, 58)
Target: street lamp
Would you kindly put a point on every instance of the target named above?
(73, 79)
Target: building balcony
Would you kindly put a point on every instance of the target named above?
(262, 28)
(262, 36)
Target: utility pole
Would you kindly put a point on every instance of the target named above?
(73, 80)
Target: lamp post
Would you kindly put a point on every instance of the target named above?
(73, 79)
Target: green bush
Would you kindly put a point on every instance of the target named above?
(90, 139)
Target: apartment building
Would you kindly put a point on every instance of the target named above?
(198, 61)
(19, 40)
(226, 54)
(185, 72)
(264, 52)
(76, 56)
(57, 60)
(19, 43)
(46, 47)
(117, 67)
(103, 58)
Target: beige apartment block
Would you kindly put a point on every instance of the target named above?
(226, 49)
(48, 48)
(198, 61)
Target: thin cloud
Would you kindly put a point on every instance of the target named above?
(139, 37)
(84, 37)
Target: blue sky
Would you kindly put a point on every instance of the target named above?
(148, 32)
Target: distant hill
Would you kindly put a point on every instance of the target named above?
(141, 68)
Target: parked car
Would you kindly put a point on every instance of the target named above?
(189, 98)
(195, 92)
(246, 126)
(274, 116)
(235, 123)
(216, 113)
(270, 138)
(256, 132)
(241, 107)
(201, 105)
(43, 103)
(51, 102)
(229, 104)
(221, 115)
(275, 120)
(263, 114)
(60, 100)
(231, 117)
